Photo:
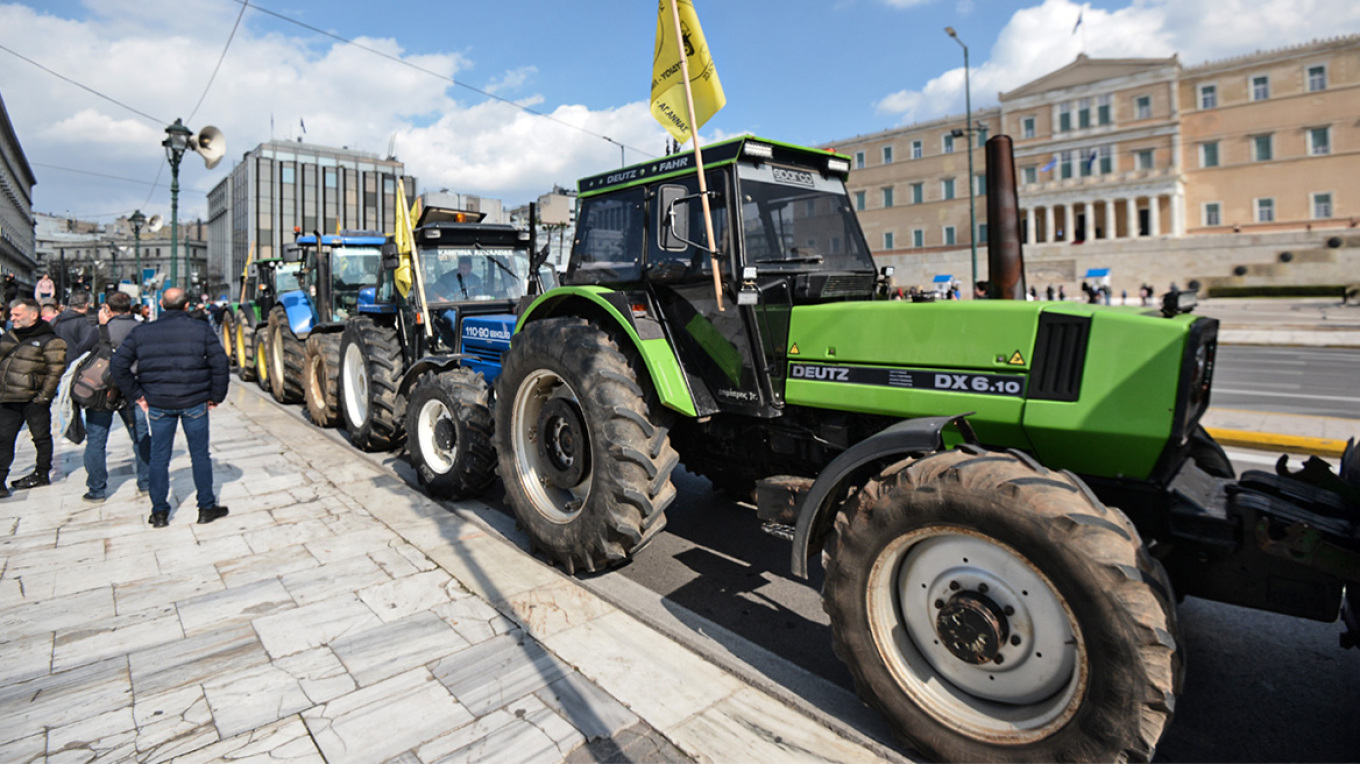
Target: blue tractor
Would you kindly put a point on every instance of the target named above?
(420, 367)
(306, 321)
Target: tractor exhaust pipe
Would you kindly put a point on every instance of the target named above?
(1005, 256)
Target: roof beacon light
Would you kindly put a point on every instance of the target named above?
(838, 165)
(758, 150)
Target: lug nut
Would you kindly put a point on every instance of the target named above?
(1008, 610)
(982, 588)
(999, 659)
(954, 585)
(939, 604)
(1015, 639)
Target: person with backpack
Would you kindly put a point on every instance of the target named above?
(94, 390)
(32, 360)
(180, 376)
(74, 327)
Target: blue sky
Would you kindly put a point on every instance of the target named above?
(796, 70)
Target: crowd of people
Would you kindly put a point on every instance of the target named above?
(162, 373)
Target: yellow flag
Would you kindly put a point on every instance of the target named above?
(402, 276)
(668, 83)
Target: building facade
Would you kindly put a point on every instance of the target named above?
(97, 255)
(281, 186)
(1228, 172)
(17, 249)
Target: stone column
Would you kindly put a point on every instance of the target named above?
(1131, 214)
(1109, 219)
(1178, 214)
(1048, 223)
(1029, 226)
(1154, 215)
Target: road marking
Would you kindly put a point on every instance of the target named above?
(1259, 458)
(1228, 391)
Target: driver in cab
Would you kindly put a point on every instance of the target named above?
(460, 284)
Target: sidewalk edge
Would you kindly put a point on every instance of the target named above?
(1268, 441)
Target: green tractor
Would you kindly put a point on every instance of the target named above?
(1006, 497)
(247, 324)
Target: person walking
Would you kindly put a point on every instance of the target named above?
(180, 375)
(115, 324)
(45, 290)
(32, 359)
(74, 327)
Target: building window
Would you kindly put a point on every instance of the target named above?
(859, 160)
(1208, 96)
(1317, 78)
(1084, 112)
(888, 196)
(918, 237)
(1208, 154)
(949, 235)
(1265, 210)
(1213, 213)
(859, 200)
(948, 143)
(1103, 110)
(980, 189)
(888, 240)
(1142, 106)
(1065, 165)
(1262, 148)
(1031, 174)
(1260, 87)
(916, 152)
(1064, 116)
(918, 193)
(981, 132)
(1088, 162)
(947, 188)
(1319, 141)
(1322, 206)
(887, 155)
(1027, 127)
(1106, 160)
(982, 232)
(1143, 159)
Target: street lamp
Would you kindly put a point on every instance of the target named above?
(622, 162)
(138, 220)
(175, 143)
(968, 132)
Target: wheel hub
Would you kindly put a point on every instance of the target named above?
(972, 627)
(444, 434)
(562, 446)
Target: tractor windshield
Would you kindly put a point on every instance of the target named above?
(457, 274)
(352, 269)
(287, 278)
(797, 218)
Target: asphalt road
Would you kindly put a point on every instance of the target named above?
(1288, 380)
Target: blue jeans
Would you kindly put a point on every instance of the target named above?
(163, 423)
(97, 425)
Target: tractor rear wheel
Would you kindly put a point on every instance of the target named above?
(370, 371)
(321, 378)
(994, 610)
(245, 350)
(585, 460)
(448, 433)
(285, 358)
(227, 332)
(261, 335)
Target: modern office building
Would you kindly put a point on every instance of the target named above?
(282, 185)
(1227, 172)
(16, 205)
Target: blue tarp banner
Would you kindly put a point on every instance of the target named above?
(1097, 273)
(943, 279)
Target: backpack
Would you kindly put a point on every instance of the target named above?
(92, 386)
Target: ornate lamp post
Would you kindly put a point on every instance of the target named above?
(138, 220)
(176, 143)
(968, 134)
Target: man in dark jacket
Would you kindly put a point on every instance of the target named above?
(74, 327)
(181, 375)
(32, 359)
(115, 324)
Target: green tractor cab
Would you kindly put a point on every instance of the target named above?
(1006, 496)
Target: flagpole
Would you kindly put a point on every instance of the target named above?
(698, 154)
(417, 274)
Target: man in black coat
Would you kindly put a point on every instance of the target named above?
(32, 358)
(181, 375)
(74, 327)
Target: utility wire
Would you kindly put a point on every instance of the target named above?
(433, 73)
(245, 4)
(86, 88)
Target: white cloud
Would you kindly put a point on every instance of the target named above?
(1039, 39)
(511, 80)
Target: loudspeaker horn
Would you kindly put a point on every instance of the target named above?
(155, 223)
(211, 145)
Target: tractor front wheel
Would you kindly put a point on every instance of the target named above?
(227, 332)
(448, 433)
(586, 462)
(321, 378)
(370, 370)
(994, 610)
(285, 358)
(261, 358)
(245, 350)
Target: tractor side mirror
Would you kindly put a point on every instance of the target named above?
(390, 258)
(672, 223)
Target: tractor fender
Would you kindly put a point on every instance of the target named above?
(434, 363)
(911, 437)
(668, 378)
(368, 302)
(299, 310)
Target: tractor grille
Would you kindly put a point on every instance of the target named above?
(849, 285)
(1059, 357)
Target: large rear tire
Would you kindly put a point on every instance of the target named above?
(285, 358)
(321, 378)
(586, 462)
(370, 371)
(261, 335)
(449, 431)
(245, 350)
(227, 333)
(994, 610)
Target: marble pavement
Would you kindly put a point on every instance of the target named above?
(339, 615)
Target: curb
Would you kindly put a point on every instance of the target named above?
(1267, 441)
